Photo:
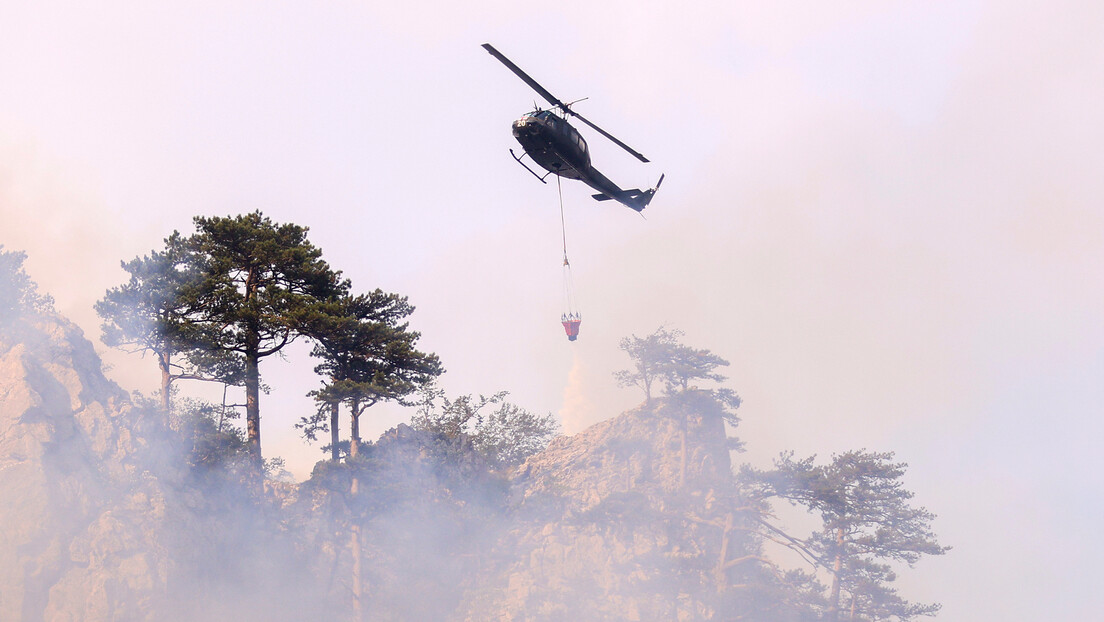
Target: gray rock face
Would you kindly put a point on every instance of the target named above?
(604, 527)
(77, 518)
(99, 519)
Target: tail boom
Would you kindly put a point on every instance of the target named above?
(634, 198)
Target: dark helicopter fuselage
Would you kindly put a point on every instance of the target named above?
(561, 150)
(554, 144)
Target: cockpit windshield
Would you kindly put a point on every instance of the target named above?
(559, 125)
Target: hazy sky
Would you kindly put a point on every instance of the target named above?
(887, 215)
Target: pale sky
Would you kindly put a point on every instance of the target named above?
(887, 215)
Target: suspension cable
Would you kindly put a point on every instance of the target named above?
(571, 313)
(563, 224)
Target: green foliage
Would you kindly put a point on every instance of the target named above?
(19, 295)
(769, 593)
(153, 313)
(720, 403)
(147, 313)
(212, 305)
(238, 290)
(648, 355)
(867, 523)
(213, 441)
(317, 423)
(510, 434)
(505, 437)
(662, 357)
(419, 496)
(861, 492)
(451, 418)
(868, 586)
(368, 354)
(216, 441)
(257, 283)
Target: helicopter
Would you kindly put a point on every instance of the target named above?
(556, 146)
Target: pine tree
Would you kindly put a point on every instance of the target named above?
(649, 356)
(867, 524)
(368, 354)
(18, 293)
(258, 284)
(662, 357)
(150, 313)
(505, 436)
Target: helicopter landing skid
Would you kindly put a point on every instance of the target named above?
(527, 167)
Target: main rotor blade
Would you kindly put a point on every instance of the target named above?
(609, 136)
(555, 102)
(525, 77)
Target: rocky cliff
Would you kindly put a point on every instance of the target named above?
(83, 525)
(606, 524)
(101, 518)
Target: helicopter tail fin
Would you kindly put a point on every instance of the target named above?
(635, 198)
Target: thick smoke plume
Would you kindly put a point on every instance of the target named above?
(111, 508)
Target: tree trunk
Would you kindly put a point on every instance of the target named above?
(354, 536)
(837, 568)
(354, 430)
(682, 451)
(335, 435)
(166, 382)
(354, 528)
(721, 573)
(253, 415)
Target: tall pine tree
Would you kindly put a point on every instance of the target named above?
(662, 357)
(151, 313)
(867, 524)
(368, 354)
(259, 284)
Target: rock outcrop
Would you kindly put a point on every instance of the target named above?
(101, 516)
(82, 524)
(102, 519)
(607, 524)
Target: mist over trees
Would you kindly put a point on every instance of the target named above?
(18, 293)
(662, 357)
(258, 284)
(505, 437)
(151, 314)
(211, 305)
(367, 355)
(867, 522)
(476, 482)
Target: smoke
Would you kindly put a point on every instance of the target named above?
(162, 507)
(53, 214)
(578, 411)
(51, 209)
